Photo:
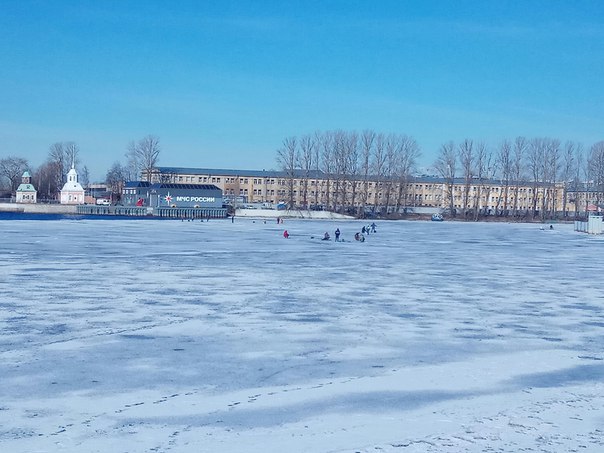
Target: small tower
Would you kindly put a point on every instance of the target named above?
(26, 193)
(72, 192)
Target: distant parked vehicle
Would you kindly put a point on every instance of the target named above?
(103, 202)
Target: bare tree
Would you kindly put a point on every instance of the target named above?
(550, 177)
(485, 171)
(71, 151)
(379, 167)
(84, 177)
(390, 169)
(569, 162)
(307, 153)
(327, 162)
(317, 167)
(12, 169)
(596, 170)
(339, 159)
(46, 181)
(536, 157)
(466, 158)
(504, 160)
(408, 153)
(58, 157)
(351, 144)
(133, 168)
(146, 154)
(288, 158)
(367, 141)
(581, 178)
(115, 179)
(520, 146)
(445, 166)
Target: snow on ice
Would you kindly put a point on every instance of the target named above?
(168, 336)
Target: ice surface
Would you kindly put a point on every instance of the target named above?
(169, 336)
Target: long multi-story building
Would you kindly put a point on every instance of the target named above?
(312, 190)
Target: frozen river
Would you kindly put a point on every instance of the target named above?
(169, 336)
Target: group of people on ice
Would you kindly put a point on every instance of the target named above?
(358, 236)
(369, 228)
(327, 237)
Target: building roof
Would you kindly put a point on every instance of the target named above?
(72, 184)
(163, 185)
(230, 172)
(132, 184)
(318, 174)
(26, 188)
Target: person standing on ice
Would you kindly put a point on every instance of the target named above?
(337, 234)
(285, 234)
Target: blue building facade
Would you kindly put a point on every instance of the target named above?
(170, 195)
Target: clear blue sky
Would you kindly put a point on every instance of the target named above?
(223, 83)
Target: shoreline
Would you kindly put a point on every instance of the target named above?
(38, 208)
(290, 214)
(59, 209)
(71, 210)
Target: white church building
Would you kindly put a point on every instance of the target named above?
(72, 192)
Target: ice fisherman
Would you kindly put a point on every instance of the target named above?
(373, 227)
(285, 234)
(325, 236)
(359, 237)
(337, 234)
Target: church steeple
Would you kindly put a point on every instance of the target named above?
(72, 176)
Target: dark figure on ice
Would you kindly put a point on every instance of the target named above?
(363, 230)
(373, 226)
(326, 237)
(359, 237)
(337, 234)
(286, 234)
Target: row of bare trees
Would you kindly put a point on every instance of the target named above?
(48, 178)
(544, 164)
(141, 157)
(348, 163)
